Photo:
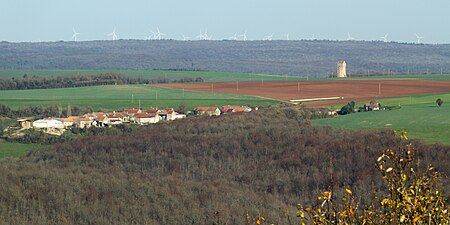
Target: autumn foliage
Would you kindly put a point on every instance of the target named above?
(413, 196)
(233, 169)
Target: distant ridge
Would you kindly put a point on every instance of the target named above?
(316, 58)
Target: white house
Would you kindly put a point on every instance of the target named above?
(83, 122)
(48, 123)
(210, 111)
(145, 118)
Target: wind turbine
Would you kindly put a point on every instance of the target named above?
(113, 34)
(184, 37)
(205, 35)
(419, 38)
(349, 37)
(244, 36)
(200, 36)
(234, 37)
(268, 37)
(75, 34)
(286, 35)
(159, 34)
(385, 37)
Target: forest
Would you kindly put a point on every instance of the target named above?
(301, 57)
(36, 82)
(198, 171)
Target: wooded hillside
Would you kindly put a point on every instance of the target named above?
(314, 58)
(186, 171)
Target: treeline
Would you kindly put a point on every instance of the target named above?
(197, 171)
(40, 111)
(43, 82)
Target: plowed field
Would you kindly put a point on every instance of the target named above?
(355, 90)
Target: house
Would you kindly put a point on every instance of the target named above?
(102, 121)
(210, 111)
(94, 115)
(233, 109)
(132, 111)
(145, 118)
(48, 123)
(152, 111)
(372, 106)
(24, 123)
(168, 114)
(68, 122)
(83, 122)
(117, 118)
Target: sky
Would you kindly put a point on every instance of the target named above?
(53, 20)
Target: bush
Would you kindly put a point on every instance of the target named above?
(347, 109)
(439, 102)
(414, 196)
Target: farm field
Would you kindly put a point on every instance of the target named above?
(169, 74)
(419, 115)
(14, 150)
(115, 97)
(351, 90)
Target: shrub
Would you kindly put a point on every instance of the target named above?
(414, 196)
(439, 102)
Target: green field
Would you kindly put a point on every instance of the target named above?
(419, 115)
(115, 97)
(169, 74)
(8, 149)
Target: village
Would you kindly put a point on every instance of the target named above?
(57, 126)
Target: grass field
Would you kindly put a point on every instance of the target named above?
(206, 76)
(14, 150)
(115, 97)
(419, 115)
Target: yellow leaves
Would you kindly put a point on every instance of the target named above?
(260, 220)
(343, 213)
(348, 191)
(352, 212)
(403, 135)
(384, 202)
(326, 194)
(301, 215)
(413, 197)
(404, 177)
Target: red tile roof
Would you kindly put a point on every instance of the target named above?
(152, 111)
(205, 109)
(230, 108)
(145, 115)
(132, 111)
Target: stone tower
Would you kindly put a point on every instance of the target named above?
(341, 69)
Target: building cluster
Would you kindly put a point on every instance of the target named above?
(134, 115)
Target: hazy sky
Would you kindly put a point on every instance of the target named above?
(52, 20)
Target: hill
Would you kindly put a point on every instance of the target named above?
(196, 171)
(315, 58)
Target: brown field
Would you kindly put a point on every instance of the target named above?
(351, 90)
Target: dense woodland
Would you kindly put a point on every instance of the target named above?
(36, 82)
(316, 58)
(197, 171)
